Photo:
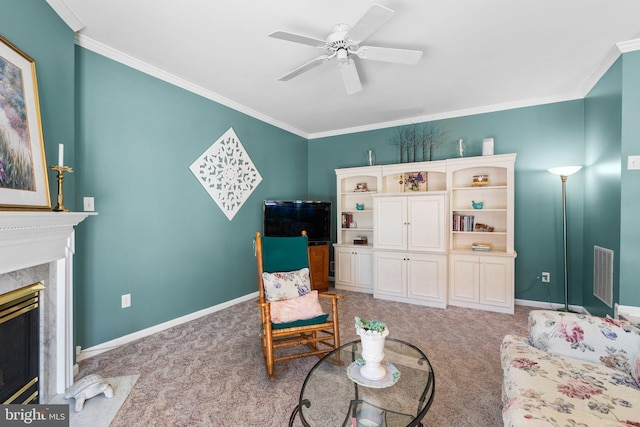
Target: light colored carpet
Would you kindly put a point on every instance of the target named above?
(100, 411)
(210, 372)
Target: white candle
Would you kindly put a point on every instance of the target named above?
(60, 154)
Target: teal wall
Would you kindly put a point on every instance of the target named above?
(159, 236)
(33, 27)
(630, 193)
(602, 168)
(543, 137)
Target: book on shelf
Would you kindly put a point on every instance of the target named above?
(462, 222)
(481, 246)
(347, 220)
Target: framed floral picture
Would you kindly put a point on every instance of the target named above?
(415, 181)
(23, 170)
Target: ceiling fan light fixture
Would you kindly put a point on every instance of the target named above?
(342, 56)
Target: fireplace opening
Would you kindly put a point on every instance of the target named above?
(20, 345)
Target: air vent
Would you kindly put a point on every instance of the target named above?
(603, 274)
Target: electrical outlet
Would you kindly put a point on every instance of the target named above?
(546, 277)
(126, 300)
(88, 204)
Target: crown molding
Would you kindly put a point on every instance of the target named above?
(451, 114)
(67, 14)
(158, 73)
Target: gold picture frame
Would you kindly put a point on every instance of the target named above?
(23, 170)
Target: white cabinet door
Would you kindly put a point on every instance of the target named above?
(363, 266)
(426, 277)
(464, 278)
(390, 274)
(496, 281)
(353, 268)
(344, 269)
(389, 223)
(484, 282)
(425, 220)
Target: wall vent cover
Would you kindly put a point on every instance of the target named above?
(603, 274)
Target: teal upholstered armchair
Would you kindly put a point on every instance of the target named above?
(290, 311)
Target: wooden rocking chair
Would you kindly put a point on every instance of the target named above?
(283, 259)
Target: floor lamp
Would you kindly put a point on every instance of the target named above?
(564, 172)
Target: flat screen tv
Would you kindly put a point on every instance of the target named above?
(285, 218)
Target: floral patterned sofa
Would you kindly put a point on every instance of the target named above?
(572, 370)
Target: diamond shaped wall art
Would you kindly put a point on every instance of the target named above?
(227, 173)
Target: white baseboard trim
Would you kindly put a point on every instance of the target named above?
(110, 345)
(543, 305)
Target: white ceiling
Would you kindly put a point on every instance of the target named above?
(478, 55)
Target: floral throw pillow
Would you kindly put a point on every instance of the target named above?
(286, 285)
(610, 342)
(299, 308)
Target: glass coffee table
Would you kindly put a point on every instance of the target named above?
(334, 394)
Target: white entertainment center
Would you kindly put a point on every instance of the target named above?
(432, 233)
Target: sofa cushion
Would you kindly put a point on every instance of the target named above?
(611, 342)
(539, 386)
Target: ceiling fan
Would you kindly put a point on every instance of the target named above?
(344, 42)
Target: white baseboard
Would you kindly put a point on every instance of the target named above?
(548, 306)
(110, 345)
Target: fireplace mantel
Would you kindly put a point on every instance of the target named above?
(33, 238)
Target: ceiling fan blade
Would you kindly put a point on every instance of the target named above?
(373, 19)
(306, 67)
(350, 76)
(296, 38)
(385, 54)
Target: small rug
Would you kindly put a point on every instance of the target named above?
(99, 411)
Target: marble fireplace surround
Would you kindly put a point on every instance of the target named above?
(39, 247)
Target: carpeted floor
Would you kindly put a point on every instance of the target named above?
(210, 372)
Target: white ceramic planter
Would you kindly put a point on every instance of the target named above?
(372, 353)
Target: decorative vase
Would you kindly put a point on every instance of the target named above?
(372, 353)
(371, 157)
(460, 148)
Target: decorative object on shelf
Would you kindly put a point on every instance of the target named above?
(487, 147)
(480, 181)
(460, 148)
(416, 181)
(371, 157)
(360, 206)
(59, 207)
(414, 140)
(477, 205)
(484, 227)
(372, 336)
(564, 172)
(361, 240)
(481, 247)
(360, 187)
(227, 173)
(23, 172)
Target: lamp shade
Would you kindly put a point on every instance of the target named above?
(565, 170)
